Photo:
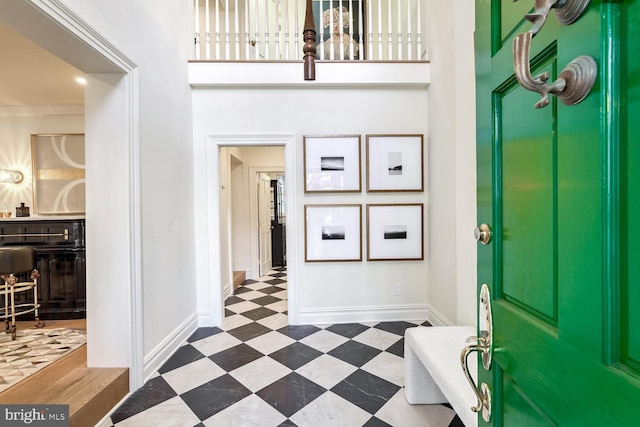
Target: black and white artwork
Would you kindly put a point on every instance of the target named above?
(395, 232)
(333, 232)
(332, 163)
(395, 163)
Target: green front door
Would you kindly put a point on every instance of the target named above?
(560, 189)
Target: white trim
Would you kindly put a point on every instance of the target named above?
(165, 349)
(105, 57)
(212, 275)
(41, 110)
(75, 25)
(322, 316)
(436, 318)
(253, 214)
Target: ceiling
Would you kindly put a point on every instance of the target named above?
(31, 76)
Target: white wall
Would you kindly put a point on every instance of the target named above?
(16, 129)
(155, 37)
(452, 273)
(328, 291)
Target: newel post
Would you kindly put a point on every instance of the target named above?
(309, 48)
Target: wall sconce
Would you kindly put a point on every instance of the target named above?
(8, 176)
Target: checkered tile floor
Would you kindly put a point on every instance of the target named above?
(258, 371)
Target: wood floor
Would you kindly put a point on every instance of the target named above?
(90, 392)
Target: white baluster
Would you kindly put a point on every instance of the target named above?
(331, 43)
(296, 43)
(390, 29)
(207, 29)
(277, 31)
(257, 40)
(266, 34)
(197, 29)
(409, 50)
(379, 29)
(247, 42)
(400, 31)
(419, 35)
(370, 26)
(360, 30)
(237, 32)
(217, 31)
(227, 37)
(286, 29)
(352, 49)
(320, 30)
(341, 30)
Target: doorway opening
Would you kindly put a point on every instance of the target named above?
(253, 234)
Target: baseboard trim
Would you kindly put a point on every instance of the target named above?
(363, 314)
(436, 318)
(156, 357)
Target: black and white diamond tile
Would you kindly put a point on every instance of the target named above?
(256, 370)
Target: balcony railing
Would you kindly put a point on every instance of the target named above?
(360, 30)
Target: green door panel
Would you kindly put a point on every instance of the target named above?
(528, 187)
(560, 188)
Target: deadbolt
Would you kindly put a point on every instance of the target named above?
(482, 234)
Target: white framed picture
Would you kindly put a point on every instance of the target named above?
(395, 232)
(333, 233)
(332, 164)
(395, 163)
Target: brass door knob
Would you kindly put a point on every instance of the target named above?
(482, 234)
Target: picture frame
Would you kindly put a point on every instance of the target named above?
(333, 233)
(395, 232)
(332, 164)
(58, 170)
(353, 29)
(395, 163)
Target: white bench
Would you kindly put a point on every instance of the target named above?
(432, 370)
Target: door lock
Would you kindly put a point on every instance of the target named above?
(484, 346)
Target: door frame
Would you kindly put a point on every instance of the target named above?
(211, 278)
(253, 212)
(113, 272)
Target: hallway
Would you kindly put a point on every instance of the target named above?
(257, 371)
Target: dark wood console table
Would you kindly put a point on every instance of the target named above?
(61, 261)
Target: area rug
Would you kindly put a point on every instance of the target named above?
(32, 350)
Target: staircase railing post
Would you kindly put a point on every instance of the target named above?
(309, 48)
